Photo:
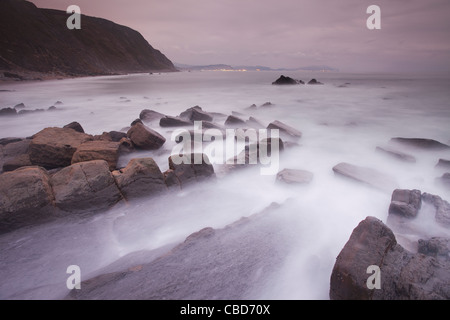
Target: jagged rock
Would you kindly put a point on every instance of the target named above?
(192, 167)
(294, 176)
(8, 112)
(145, 138)
(147, 115)
(140, 178)
(427, 144)
(85, 186)
(282, 80)
(267, 104)
(397, 154)
(405, 203)
(75, 126)
(54, 147)
(314, 81)
(285, 129)
(21, 112)
(196, 114)
(26, 196)
(168, 121)
(443, 164)
(234, 121)
(15, 155)
(98, 150)
(403, 275)
(365, 175)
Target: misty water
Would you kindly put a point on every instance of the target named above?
(343, 120)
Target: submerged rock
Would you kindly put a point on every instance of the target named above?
(285, 129)
(396, 154)
(403, 275)
(147, 115)
(405, 203)
(196, 114)
(234, 121)
(8, 112)
(365, 175)
(140, 178)
(191, 167)
(314, 81)
(443, 164)
(442, 207)
(294, 176)
(85, 186)
(426, 144)
(145, 138)
(168, 121)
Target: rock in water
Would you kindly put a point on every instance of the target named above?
(403, 275)
(191, 167)
(147, 115)
(405, 203)
(427, 144)
(442, 215)
(168, 121)
(75, 126)
(145, 138)
(443, 164)
(397, 154)
(15, 155)
(282, 80)
(98, 150)
(26, 197)
(140, 178)
(196, 114)
(366, 175)
(234, 121)
(54, 147)
(85, 186)
(8, 112)
(314, 81)
(294, 176)
(285, 129)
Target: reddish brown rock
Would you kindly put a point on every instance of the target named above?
(98, 150)
(145, 138)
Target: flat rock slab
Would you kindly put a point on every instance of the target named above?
(420, 143)
(365, 175)
(404, 275)
(294, 176)
(147, 115)
(396, 154)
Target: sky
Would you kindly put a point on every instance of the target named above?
(414, 35)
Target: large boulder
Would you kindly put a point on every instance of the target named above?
(405, 203)
(15, 155)
(145, 138)
(285, 129)
(85, 186)
(98, 150)
(191, 167)
(26, 196)
(54, 147)
(365, 175)
(403, 275)
(140, 178)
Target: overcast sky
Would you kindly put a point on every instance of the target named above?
(414, 35)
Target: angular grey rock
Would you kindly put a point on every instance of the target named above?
(444, 180)
(234, 121)
(404, 275)
(191, 167)
(437, 247)
(168, 121)
(147, 115)
(5, 141)
(196, 114)
(85, 186)
(442, 207)
(405, 203)
(294, 176)
(365, 175)
(285, 129)
(443, 164)
(75, 126)
(283, 80)
(314, 81)
(145, 138)
(140, 178)
(8, 112)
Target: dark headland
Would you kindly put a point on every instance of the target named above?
(35, 43)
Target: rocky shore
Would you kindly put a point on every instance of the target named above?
(60, 172)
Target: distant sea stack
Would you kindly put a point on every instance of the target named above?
(36, 42)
